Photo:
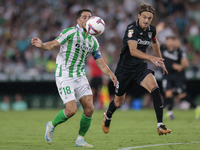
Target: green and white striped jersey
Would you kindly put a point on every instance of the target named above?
(74, 49)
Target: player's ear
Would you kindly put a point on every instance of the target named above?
(78, 21)
(139, 16)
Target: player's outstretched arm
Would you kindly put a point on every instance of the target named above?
(105, 69)
(137, 53)
(46, 46)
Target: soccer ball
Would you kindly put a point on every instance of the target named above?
(95, 26)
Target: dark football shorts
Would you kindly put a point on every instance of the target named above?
(177, 84)
(96, 83)
(126, 79)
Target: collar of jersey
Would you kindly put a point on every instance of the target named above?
(80, 29)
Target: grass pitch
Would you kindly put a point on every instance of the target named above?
(25, 131)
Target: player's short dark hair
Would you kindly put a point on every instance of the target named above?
(173, 37)
(146, 7)
(81, 11)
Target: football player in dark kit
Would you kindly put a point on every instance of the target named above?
(132, 66)
(175, 82)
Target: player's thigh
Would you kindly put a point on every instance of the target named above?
(82, 88)
(180, 86)
(66, 89)
(166, 84)
(149, 82)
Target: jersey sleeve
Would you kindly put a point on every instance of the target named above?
(64, 36)
(131, 33)
(183, 55)
(154, 34)
(96, 52)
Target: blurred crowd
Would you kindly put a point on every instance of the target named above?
(20, 20)
(17, 104)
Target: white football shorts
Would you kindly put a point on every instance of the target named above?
(73, 88)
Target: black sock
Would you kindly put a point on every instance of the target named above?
(169, 102)
(157, 103)
(110, 111)
(189, 99)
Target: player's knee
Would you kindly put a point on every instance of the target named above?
(70, 112)
(89, 110)
(118, 103)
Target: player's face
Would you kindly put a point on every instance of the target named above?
(177, 43)
(145, 19)
(85, 16)
(170, 44)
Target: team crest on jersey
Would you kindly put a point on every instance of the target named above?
(150, 35)
(130, 33)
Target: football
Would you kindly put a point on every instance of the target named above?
(95, 26)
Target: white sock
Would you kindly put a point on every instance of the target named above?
(159, 123)
(51, 124)
(170, 112)
(80, 137)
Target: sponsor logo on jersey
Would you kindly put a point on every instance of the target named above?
(143, 42)
(83, 47)
(130, 33)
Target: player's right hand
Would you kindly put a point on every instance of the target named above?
(157, 61)
(36, 42)
(114, 79)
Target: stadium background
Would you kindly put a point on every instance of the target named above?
(30, 71)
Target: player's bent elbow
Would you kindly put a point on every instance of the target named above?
(132, 53)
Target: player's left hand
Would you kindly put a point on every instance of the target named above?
(114, 79)
(164, 68)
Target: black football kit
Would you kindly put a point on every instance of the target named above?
(174, 80)
(131, 69)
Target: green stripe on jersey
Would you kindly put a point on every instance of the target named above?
(79, 64)
(69, 48)
(63, 32)
(60, 73)
(82, 57)
(77, 50)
